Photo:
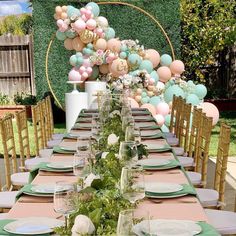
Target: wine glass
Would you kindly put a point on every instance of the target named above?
(130, 133)
(128, 220)
(63, 198)
(127, 120)
(82, 143)
(132, 184)
(128, 151)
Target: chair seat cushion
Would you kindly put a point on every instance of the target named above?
(186, 161)
(7, 199)
(179, 151)
(172, 141)
(52, 143)
(47, 152)
(194, 177)
(20, 179)
(168, 135)
(223, 221)
(33, 162)
(58, 136)
(208, 197)
(3, 216)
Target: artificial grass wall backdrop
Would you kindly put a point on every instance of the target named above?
(127, 22)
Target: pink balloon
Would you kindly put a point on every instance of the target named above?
(211, 111)
(119, 67)
(88, 13)
(177, 67)
(84, 75)
(82, 69)
(89, 70)
(153, 56)
(150, 107)
(60, 22)
(133, 103)
(162, 108)
(68, 44)
(164, 73)
(79, 25)
(114, 45)
(78, 45)
(74, 75)
(83, 10)
(101, 44)
(160, 119)
(91, 24)
(86, 63)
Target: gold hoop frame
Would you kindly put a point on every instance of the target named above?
(107, 3)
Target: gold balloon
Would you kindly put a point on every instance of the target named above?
(86, 36)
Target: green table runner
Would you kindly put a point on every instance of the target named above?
(187, 189)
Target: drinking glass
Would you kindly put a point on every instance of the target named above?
(63, 198)
(82, 143)
(80, 158)
(127, 121)
(132, 184)
(128, 151)
(130, 133)
(127, 223)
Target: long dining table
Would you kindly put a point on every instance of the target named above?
(182, 208)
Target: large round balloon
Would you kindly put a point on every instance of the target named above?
(150, 107)
(200, 91)
(159, 119)
(114, 45)
(134, 60)
(155, 100)
(166, 60)
(119, 67)
(94, 7)
(167, 120)
(192, 99)
(177, 67)
(155, 76)
(153, 56)
(162, 108)
(133, 103)
(146, 65)
(68, 44)
(164, 73)
(211, 111)
(101, 44)
(171, 91)
(78, 45)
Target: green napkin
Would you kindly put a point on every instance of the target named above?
(82, 126)
(58, 149)
(154, 136)
(207, 230)
(43, 166)
(85, 115)
(187, 189)
(27, 190)
(68, 136)
(164, 148)
(84, 120)
(149, 127)
(172, 164)
(146, 118)
(5, 222)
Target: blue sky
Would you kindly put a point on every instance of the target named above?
(14, 7)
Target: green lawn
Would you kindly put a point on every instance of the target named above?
(228, 117)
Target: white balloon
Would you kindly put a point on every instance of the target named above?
(102, 22)
(160, 85)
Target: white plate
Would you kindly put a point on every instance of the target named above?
(44, 188)
(153, 162)
(60, 165)
(156, 187)
(168, 228)
(33, 225)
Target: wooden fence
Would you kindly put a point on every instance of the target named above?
(16, 65)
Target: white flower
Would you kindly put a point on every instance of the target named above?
(112, 139)
(88, 181)
(104, 154)
(115, 112)
(82, 225)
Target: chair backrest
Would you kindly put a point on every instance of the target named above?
(202, 154)
(221, 161)
(184, 125)
(38, 128)
(179, 113)
(8, 143)
(50, 121)
(45, 121)
(23, 135)
(194, 132)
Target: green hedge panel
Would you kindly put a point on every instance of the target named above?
(127, 22)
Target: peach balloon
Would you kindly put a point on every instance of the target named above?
(63, 15)
(58, 10)
(150, 107)
(159, 119)
(139, 91)
(177, 67)
(119, 67)
(114, 45)
(78, 45)
(164, 73)
(162, 108)
(64, 8)
(138, 98)
(68, 44)
(104, 69)
(211, 111)
(133, 103)
(101, 44)
(153, 56)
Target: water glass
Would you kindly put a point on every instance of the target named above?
(64, 193)
(132, 185)
(82, 143)
(128, 151)
(80, 158)
(127, 121)
(128, 220)
(130, 133)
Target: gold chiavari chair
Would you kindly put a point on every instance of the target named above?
(215, 197)
(23, 134)
(189, 160)
(14, 179)
(198, 177)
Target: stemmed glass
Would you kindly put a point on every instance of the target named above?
(63, 198)
(132, 184)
